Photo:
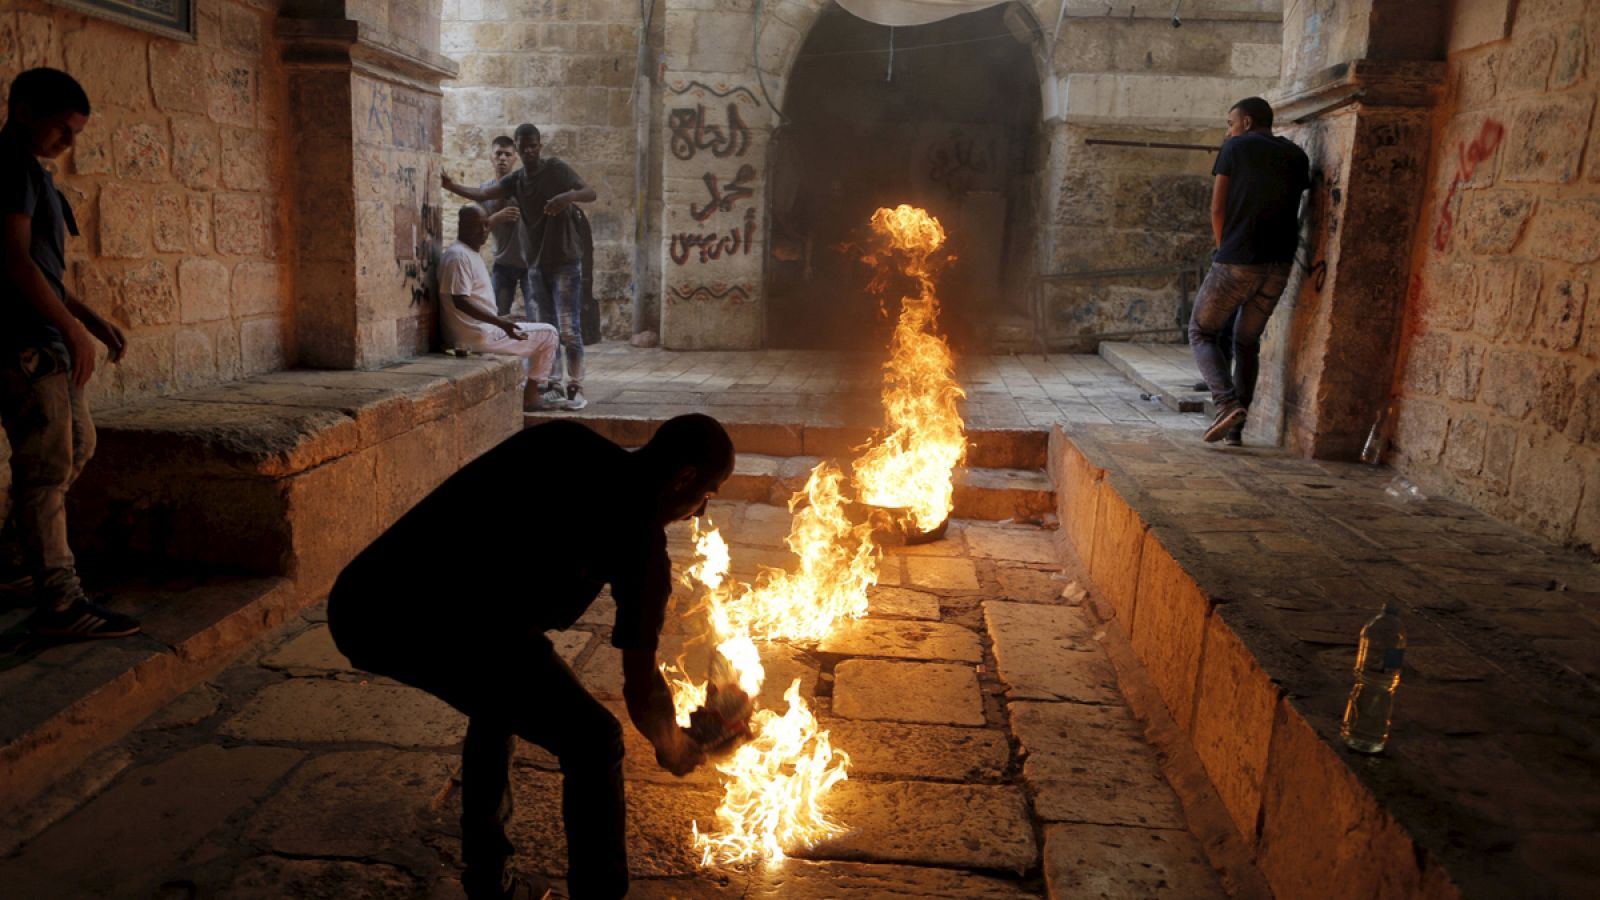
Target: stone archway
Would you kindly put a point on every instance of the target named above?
(720, 93)
(944, 116)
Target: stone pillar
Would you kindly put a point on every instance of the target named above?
(1329, 353)
(365, 115)
(713, 200)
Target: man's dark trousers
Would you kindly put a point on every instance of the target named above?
(519, 687)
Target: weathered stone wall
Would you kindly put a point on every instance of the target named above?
(1499, 387)
(570, 70)
(175, 183)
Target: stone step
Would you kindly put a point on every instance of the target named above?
(997, 448)
(1164, 371)
(989, 494)
(66, 701)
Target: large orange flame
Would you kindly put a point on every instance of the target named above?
(912, 466)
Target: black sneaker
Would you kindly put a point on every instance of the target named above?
(1235, 437)
(575, 399)
(82, 621)
(1227, 417)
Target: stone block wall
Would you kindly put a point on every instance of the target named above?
(175, 184)
(1499, 384)
(398, 218)
(570, 70)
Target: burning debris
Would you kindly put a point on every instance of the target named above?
(912, 466)
(774, 782)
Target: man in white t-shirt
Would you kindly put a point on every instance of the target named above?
(469, 320)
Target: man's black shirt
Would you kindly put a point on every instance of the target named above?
(547, 240)
(520, 540)
(1266, 175)
(26, 188)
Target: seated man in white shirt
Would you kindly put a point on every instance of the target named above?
(467, 313)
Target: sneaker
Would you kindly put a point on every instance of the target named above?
(575, 397)
(1227, 417)
(81, 621)
(1235, 437)
(549, 398)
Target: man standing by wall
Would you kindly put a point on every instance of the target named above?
(509, 273)
(46, 355)
(1255, 203)
(545, 189)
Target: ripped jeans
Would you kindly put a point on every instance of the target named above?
(559, 289)
(1245, 296)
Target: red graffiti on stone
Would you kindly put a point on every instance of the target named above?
(1468, 157)
(714, 245)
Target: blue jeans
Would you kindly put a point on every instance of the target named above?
(560, 294)
(506, 280)
(1244, 296)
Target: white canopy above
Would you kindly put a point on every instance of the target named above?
(912, 12)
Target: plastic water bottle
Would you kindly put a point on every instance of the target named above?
(1379, 661)
(1377, 439)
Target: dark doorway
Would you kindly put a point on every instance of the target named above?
(943, 116)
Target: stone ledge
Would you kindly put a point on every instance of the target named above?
(1244, 599)
(988, 448)
(65, 702)
(289, 473)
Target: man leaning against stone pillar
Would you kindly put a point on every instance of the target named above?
(1255, 205)
(46, 352)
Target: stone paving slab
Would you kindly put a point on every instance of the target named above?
(276, 878)
(368, 804)
(904, 640)
(1126, 864)
(659, 822)
(801, 879)
(931, 824)
(929, 693)
(941, 574)
(1019, 544)
(1048, 653)
(313, 650)
(933, 752)
(339, 711)
(128, 840)
(1088, 763)
(902, 603)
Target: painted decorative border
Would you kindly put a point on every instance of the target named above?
(168, 18)
(721, 92)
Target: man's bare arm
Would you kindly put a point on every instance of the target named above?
(16, 256)
(1219, 207)
(475, 194)
(650, 707)
(464, 303)
(583, 193)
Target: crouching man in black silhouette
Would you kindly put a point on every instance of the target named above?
(424, 604)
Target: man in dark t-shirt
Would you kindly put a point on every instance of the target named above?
(545, 188)
(47, 351)
(1255, 205)
(426, 604)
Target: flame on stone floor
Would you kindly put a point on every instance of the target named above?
(774, 784)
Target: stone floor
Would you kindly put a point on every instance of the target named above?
(822, 388)
(992, 756)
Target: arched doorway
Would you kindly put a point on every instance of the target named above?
(944, 116)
